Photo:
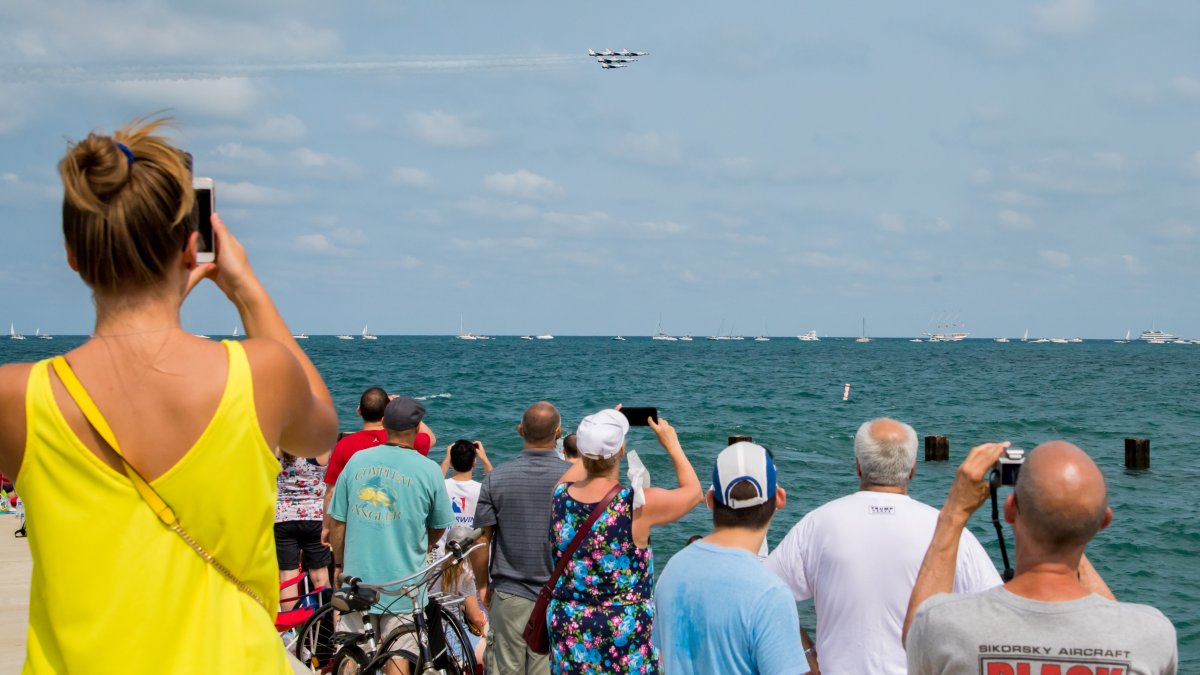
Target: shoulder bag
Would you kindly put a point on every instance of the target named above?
(535, 634)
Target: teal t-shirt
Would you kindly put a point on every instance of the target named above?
(388, 497)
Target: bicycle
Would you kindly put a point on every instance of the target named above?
(349, 645)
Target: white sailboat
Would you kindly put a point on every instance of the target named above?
(461, 334)
(368, 336)
(1126, 340)
(1025, 338)
(13, 334)
(660, 335)
(236, 332)
(864, 337)
(39, 335)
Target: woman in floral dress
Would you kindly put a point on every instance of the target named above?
(298, 513)
(601, 615)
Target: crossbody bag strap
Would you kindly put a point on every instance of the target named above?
(584, 529)
(156, 503)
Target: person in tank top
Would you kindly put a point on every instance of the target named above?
(113, 589)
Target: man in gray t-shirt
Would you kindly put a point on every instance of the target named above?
(1056, 615)
(514, 511)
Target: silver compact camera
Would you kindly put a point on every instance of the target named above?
(1009, 465)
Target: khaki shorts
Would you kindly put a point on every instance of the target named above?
(386, 624)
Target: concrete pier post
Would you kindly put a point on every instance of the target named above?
(1137, 453)
(937, 449)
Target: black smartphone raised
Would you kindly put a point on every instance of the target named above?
(206, 246)
(639, 417)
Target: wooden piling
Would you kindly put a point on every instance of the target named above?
(1137, 453)
(937, 449)
(739, 439)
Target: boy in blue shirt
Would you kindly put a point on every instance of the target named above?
(717, 609)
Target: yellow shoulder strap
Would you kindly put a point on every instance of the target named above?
(92, 413)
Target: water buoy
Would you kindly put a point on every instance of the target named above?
(846, 392)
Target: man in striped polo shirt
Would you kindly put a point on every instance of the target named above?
(514, 511)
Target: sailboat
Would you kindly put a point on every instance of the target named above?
(13, 334)
(1126, 340)
(236, 332)
(368, 336)
(38, 334)
(660, 335)
(1025, 338)
(461, 334)
(864, 337)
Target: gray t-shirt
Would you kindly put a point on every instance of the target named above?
(999, 633)
(516, 498)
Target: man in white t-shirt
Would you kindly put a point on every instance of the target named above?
(858, 557)
(462, 456)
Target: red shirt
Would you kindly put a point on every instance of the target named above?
(345, 449)
(361, 440)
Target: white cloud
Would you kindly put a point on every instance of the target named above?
(269, 129)
(448, 131)
(651, 148)
(17, 191)
(17, 103)
(1097, 173)
(1187, 87)
(522, 184)
(1064, 17)
(92, 31)
(327, 165)
(1056, 259)
(246, 192)
(890, 222)
(244, 154)
(660, 228)
(1132, 264)
(417, 178)
(1012, 198)
(316, 243)
(229, 97)
(1015, 220)
(1176, 230)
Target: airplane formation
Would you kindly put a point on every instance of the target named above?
(608, 59)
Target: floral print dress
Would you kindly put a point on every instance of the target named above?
(602, 611)
(301, 491)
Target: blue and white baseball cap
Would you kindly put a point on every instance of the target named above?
(743, 462)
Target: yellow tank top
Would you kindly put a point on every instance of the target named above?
(114, 591)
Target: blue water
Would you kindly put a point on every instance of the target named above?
(787, 395)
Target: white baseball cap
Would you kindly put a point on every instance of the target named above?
(601, 435)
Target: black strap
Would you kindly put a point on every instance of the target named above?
(579, 535)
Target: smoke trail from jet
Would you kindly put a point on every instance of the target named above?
(67, 73)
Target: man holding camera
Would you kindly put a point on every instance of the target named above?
(1056, 615)
(857, 556)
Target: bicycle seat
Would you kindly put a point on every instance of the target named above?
(354, 599)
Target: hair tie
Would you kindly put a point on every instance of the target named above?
(128, 153)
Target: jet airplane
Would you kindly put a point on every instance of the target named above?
(607, 66)
(626, 52)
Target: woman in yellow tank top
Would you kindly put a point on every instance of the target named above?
(114, 589)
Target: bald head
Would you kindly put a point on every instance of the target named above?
(1061, 497)
(886, 451)
(540, 425)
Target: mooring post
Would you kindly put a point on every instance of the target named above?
(739, 439)
(937, 449)
(1137, 453)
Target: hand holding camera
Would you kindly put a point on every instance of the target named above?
(971, 486)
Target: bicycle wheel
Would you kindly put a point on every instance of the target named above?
(458, 645)
(349, 660)
(314, 644)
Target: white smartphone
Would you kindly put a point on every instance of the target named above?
(206, 204)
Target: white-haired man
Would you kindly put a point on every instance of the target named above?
(858, 556)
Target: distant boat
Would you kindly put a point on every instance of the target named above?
(547, 336)
(660, 335)
(916, 340)
(1059, 341)
(38, 334)
(810, 336)
(368, 336)
(461, 334)
(1040, 341)
(617, 339)
(1002, 340)
(686, 338)
(1026, 336)
(235, 333)
(526, 337)
(1155, 336)
(1075, 339)
(720, 335)
(300, 336)
(199, 335)
(1126, 340)
(13, 334)
(864, 337)
(762, 338)
(345, 337)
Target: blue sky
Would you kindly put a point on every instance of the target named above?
(777, 166)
